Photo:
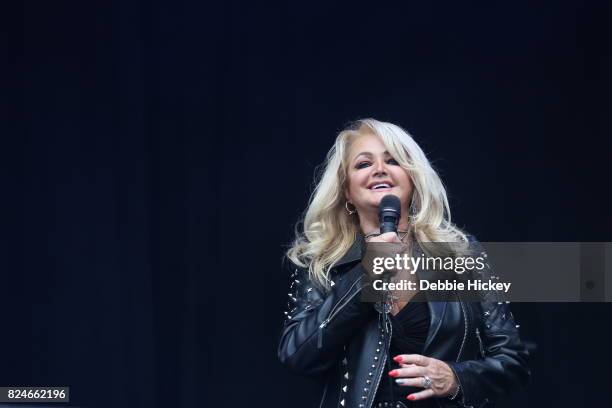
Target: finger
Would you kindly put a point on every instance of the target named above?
(389, 237)
(421, 395)
(412, 359)
(410, 382)
(408, 372)
(407, 365)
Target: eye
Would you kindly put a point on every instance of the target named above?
(362, 165)
(392, 161)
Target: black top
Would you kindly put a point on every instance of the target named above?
(410, 328)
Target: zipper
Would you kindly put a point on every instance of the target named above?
(335, 310)
(465, 330)
(465, 333)
(480, 346)
(324, 394)
(382, 366)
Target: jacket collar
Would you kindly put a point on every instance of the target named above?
(436, 313)
(354, 253)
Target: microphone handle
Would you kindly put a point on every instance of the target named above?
(387, 226)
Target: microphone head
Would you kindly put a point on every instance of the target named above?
(390, 202)
(389, 212)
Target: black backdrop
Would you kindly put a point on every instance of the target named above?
(156, 155)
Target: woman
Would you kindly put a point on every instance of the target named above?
(434, 353)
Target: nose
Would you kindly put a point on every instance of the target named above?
(380, 168)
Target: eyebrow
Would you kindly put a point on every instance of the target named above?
(369, 154)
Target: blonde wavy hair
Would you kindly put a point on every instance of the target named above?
(328, 231)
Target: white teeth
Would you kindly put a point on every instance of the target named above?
(382, 185)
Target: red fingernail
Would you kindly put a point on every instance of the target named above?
(397, 359)
(410, 397)
(393, 373)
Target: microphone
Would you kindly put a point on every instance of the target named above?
(389, 211)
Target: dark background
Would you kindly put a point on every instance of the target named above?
(156, 155)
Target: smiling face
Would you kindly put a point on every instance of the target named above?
(372, 174)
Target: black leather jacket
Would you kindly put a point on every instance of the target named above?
(338, 338)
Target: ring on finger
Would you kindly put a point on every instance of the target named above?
(427, 382)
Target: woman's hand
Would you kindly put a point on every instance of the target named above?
(396, 275)
(414, 370)
(386, 237)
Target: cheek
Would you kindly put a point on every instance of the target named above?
(354, 184)
(406, 182)
(354, 180)
(410, 187)
(409, 184)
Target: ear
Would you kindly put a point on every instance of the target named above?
(347, 195)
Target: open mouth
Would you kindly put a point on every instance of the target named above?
(380, 186)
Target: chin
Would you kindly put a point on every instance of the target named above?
(377, 196)
(375, 200)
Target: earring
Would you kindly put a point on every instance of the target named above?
(348, 210)
(411, 208)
